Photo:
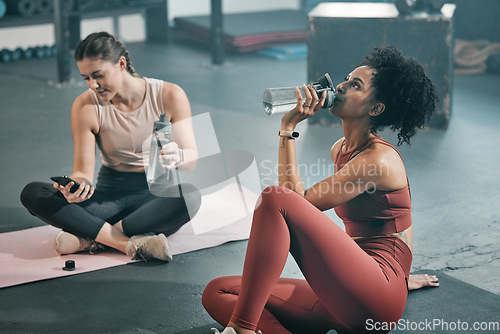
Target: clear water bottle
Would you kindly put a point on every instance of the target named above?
(283, 99)
(280, 100)
(156, 173)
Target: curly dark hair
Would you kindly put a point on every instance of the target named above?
(401, 84)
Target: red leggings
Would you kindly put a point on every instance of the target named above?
(349, 285)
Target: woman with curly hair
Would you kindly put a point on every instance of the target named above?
(355, 281)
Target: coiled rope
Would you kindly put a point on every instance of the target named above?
(471, 56)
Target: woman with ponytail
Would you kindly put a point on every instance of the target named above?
(117, 114)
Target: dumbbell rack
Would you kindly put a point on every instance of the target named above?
(67, 23)
(25, 12)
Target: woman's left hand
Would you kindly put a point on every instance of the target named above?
(303, 109)
(416, 282)
(170, 155)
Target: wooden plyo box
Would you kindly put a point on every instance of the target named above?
(341, 34)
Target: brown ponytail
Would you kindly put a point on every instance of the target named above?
(104, 46)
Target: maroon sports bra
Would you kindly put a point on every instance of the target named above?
(374, 212)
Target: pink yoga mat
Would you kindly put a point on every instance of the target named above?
(29, 255)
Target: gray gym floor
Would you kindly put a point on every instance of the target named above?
(453, 174)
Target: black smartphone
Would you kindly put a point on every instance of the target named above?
(64, 180)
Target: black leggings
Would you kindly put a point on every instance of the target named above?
(118, 196)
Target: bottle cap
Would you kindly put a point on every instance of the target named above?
(162, 123)
(69, 265)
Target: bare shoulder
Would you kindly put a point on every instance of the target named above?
(83, 102)
(173, 94)
(385, 154)
(387, 163)
(336, 148)
(172, 90)
(83, 112)
(175, 101)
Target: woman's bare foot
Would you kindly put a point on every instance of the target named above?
(420, 281)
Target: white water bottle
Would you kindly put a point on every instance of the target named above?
(283, 99)
(156, 173)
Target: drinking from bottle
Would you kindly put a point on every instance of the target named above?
(283, 99)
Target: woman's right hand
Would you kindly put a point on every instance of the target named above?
(304, 109)
(83, 193)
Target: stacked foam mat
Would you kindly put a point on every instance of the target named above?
(246, 32)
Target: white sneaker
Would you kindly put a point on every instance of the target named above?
(143, 247)
(227, 330)
(67, 243)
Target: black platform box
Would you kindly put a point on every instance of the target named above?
(340, 34)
